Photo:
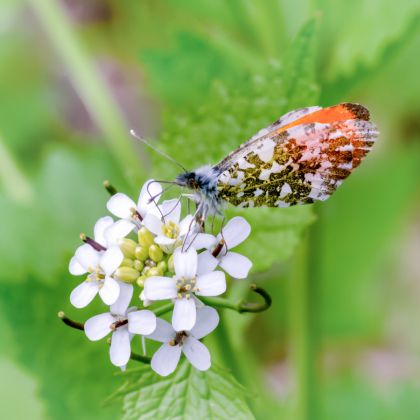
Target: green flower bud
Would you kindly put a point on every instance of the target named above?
(153, 271)
(162, 266)
(142, 253)
(171, 266)
(127, 262)
(127, 274)
(145, 237)
(138, 265)
(155, 253)
(128, 247)
(140, 281)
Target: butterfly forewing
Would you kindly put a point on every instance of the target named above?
(302, 157)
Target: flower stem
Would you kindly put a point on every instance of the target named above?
(303, 349)
(89, 85)
(140, 358)
(241, 307)
(14, 180)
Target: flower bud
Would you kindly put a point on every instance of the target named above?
(127, 262)
(171, 266)
(154, 271)
(142, 253)
(145, 237)
(140, 281)
(155, 253)
(127, 274)
(128, 247)
(138, 265)
(162, 266)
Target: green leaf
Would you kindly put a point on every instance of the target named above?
(186, 394)
(38, 237)
(299, 75)
(72, 374)
(363, 71)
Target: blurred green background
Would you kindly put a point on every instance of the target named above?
(341, 340)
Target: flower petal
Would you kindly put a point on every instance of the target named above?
(151, 189)
(99, 230)
(171, 210)
(164, 331)
(118, 230)
(83, 294)
(235, 232)
(75, 267)
(110, 291)
(186, 225)
(197, 353)
(87, 257)
(166, 359)
(111, 259)
(120, 349)
(158, 288)
(236, 265)
(141, 322)
(153, 223)
(164, 240)
(206, 263)
(185, 263)
(184, 315)
(121, 304)
(120, 205)
(211, 284)
(200, 241)
(207, 321)
(98, 326)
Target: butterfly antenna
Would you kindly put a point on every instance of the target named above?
(144, 141)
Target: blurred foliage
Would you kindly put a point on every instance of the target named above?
(220, 71)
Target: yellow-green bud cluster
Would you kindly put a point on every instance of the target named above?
(142, 259)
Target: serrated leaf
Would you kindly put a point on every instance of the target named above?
(336, 90)
(186, 394)
(299, 74)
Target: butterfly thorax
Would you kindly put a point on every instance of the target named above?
(203, 184)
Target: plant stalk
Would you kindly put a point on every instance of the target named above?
(90, 87)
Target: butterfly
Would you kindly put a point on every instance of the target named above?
(302, 157)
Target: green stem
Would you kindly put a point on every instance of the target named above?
(241, 307)
(14, 180)
(163, 309)
(140, 358)
(302, 326)
(89, 85)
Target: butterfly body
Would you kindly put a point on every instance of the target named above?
(302, 157)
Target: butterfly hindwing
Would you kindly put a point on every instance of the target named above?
(298, 160)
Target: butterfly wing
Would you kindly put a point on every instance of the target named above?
(302, 157)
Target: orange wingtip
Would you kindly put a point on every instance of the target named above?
(341, 112)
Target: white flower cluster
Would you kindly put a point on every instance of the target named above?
(151, 249)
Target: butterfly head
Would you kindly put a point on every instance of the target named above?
(188, 180)
(203, 183)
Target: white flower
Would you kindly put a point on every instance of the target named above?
(182, 287)
(166, 358)
(169, 232)
(100, 258)
(124, 207)
(219, 252)
(123, 323)
(100, 266)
